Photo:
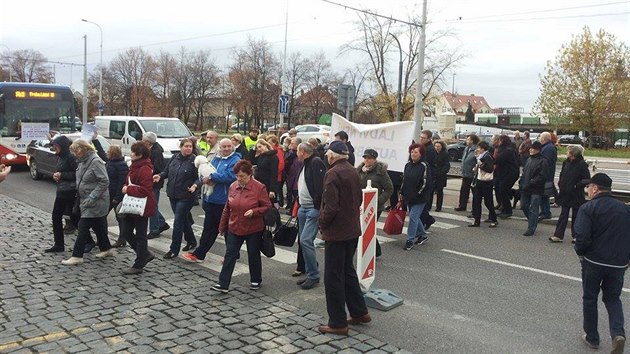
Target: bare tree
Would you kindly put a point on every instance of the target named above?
(164, 85)
(206, 84)
(296, 73)
(28, 65)
(133, 72)
(319, 81)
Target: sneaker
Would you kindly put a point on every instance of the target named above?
(617, 344)
(493, 224)
(55, 249)
(191, 257)
(408, 245)
(573, 240)
(528, 233)
(319, 243)
(108, 253)
(589, 344)
(219, 288)
(555, 239)
(72, 261)
(189, 247)
(543, 217)
(421, 240)
(309, 283)
(254, 286)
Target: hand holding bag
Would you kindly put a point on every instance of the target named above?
(286, 233)
(395, 220)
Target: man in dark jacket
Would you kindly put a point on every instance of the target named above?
(430, 157)
(602, 243)
(341, 228)
(532, 186)
(157, 223)
(310, 187)
(550, 153)
(468, 163)
(343, 137)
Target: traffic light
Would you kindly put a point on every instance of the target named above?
(345, 97)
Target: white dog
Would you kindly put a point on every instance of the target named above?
(205, 168)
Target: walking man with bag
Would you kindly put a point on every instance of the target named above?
(310, 185)
(602, 243)
(341, 228)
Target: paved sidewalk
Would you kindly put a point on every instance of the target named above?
(49, 307)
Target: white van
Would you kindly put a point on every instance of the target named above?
(125, 130)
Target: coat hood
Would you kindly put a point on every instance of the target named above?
(63, 142)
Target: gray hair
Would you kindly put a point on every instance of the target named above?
(149, 137)
(544, 137)
(336, 156)
(296, 140)
(307, 148)
(575, 150)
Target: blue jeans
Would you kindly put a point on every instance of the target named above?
(611, 280)
(545, 206)
(415, 227)
(233, 245)
(307, 223)
(210, 228)
(156, 220)
(181, 208)
(530, 204)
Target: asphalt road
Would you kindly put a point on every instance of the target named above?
(467, 290)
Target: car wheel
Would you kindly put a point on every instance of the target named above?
(452, 154)
(33, 169)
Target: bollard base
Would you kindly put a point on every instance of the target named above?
(382, 299)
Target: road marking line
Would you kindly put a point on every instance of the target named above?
(536, 270)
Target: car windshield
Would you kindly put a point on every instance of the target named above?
(166, 128)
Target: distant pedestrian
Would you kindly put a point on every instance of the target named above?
(482, 186)
(506, 172)
(532, 186)
(415, 190)
(239, 146)
(139, 183)
(523, 149)
(468, 163)
(549, 152)
(602, 242)
(157, 223)
(571, 190)
(242, 221)
(93, 191)
(266, 171)
(442, 166)
(376, 171)
(212, 145)
(341, 228)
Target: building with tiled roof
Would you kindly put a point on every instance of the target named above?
(458, 104)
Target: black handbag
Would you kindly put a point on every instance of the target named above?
(286, 234)
(266, 245)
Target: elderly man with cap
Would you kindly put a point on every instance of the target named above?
(602, 242)
(343, 137)
(340, 226)
(532, 186)
(376, 171)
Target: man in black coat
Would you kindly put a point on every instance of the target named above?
(532, 186)
(157, 223)
(430, 157)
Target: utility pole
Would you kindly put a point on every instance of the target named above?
(400, 67)
(418, 113)
(85, 86)
(100, 81)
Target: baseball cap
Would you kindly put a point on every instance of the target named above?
(339, 147)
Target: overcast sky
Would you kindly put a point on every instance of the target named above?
(508, 42)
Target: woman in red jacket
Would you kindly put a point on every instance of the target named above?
(242, 221)
(139, 183)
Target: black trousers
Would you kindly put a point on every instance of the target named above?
(341, 283)
(464, 192)
(483, 191)
(210, 228)
(563, 220)
(503, 189)
(99, 225)
(138, 239)
(59, 207)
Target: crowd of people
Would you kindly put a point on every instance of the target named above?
(323, 192)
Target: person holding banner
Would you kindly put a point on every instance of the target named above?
(376, 171)
(341, 227)
(415, 193)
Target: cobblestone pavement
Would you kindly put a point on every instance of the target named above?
(49, 307)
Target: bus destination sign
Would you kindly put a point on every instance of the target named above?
(21, 94)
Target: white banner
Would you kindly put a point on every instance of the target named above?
(35, 131)
(390, 140)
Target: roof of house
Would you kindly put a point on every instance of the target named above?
(456, 101)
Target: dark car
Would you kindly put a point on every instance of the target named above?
(569, 140)
(42, 160)
(456, 150)
(598, 142)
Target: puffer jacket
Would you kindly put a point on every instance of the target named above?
(534, 175)
(67, 167)
(181, 174)
(267, 170)
(141, 177)
(570, 186)
(223, 178)
(380, 180)
(93, 186)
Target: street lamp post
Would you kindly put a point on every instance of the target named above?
(400, 67)
(100, 83)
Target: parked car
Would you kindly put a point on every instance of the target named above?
(622, 143)
(569, 140)
(598, 142)
(239, 127)
(41, 158)
(319, 131)
(456, 150)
